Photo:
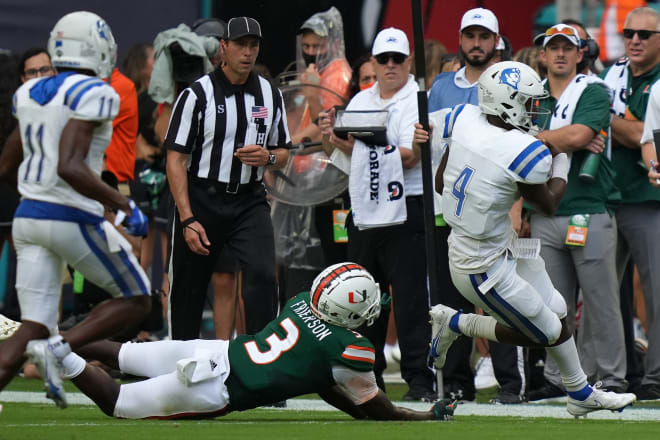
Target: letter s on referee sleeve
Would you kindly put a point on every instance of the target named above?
(182, 121)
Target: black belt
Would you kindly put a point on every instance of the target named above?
(215, 187)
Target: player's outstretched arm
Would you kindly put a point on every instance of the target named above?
(339, 400)
(74, 146)
(11, 157)
(382, 408)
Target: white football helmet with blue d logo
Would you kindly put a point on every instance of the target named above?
(510, 90)
(346, 295)
(83, 40)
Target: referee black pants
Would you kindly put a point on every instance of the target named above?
(395, 255)
(241, 222)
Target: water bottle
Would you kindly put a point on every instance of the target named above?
(589, 167)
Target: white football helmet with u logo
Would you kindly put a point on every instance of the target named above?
(510, 89)
(83, 40)
(346, 295)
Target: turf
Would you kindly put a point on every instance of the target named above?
(25, 421)
(36, 421)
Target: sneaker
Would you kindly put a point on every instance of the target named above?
(7, 327)
(647, 392)
(39, 353)
(455, 391)
(484, 375)
(599, 399)
(546, 393)
(420, 395)
(442, 335)
(504, 397)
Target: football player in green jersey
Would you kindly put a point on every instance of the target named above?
(310, 348)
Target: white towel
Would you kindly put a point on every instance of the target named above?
(376, 186)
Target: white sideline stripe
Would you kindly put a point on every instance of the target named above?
(466, 409)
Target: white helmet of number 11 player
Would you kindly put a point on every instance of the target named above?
(511, 90)
(346, 295)
(83, 40)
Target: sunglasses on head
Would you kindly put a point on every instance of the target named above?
(397, 57)
(643, 34)
(565, 31)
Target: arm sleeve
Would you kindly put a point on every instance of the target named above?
(533, 162)
(593, 108)
(358, 386)
(96, 101)
(183, 123)
(279, 131)
(652, 121)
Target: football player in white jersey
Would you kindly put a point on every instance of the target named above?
(56, 155)
(491, 159)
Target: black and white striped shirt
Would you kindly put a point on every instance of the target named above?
(212, 118)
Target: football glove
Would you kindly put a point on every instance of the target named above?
(443, 410)
(136, 223)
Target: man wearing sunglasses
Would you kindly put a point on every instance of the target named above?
(392, 251)
(575, 258)
(478, 41)
(638, 215)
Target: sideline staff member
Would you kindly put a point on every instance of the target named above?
(225, 128)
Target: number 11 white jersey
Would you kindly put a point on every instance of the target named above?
(480, 183)
(43, 106)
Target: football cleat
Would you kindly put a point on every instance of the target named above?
(7, 327)
(599, 399)
(40, 353)
(442, 335)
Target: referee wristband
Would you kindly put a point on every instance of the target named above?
(187, 222)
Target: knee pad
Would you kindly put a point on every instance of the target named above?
(553, 331)
(558, 305)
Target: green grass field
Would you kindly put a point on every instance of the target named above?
(24, 421)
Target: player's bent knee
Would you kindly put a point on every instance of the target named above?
(553, 332)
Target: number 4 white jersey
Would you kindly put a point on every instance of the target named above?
(480, 183)
(43, 106)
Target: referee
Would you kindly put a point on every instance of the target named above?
(225, 128)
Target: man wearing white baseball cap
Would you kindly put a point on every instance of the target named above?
(478, 41)
(393, 252)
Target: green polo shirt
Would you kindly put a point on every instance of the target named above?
(593, 110)
(631, 178)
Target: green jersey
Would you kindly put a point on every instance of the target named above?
(293, 355)
(592, 110)
(631, 176)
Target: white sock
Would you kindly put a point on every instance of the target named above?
(471, 324)
(566, 356)
(58, 346)
(73, 365)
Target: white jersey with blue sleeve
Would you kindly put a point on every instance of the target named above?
(43, 106)
(480, 184)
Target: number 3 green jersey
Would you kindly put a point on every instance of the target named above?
(293, 355)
